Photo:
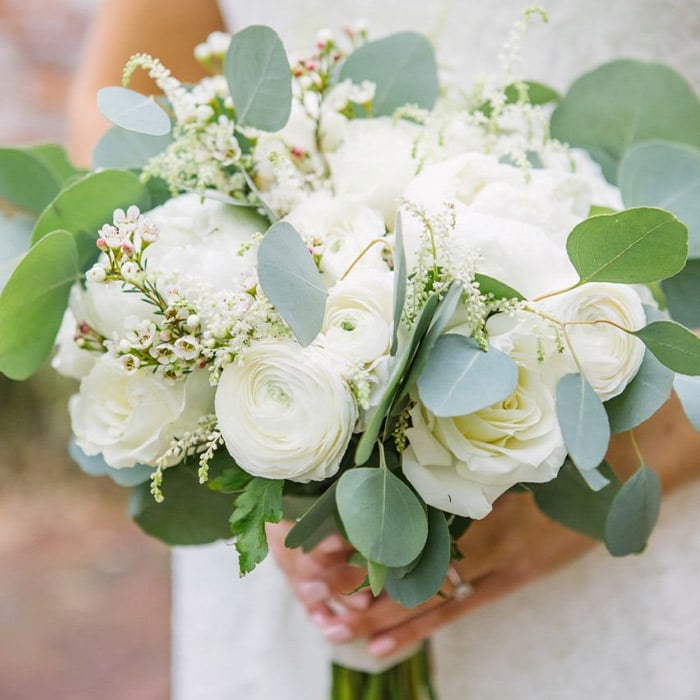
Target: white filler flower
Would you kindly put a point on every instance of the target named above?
(285, 412)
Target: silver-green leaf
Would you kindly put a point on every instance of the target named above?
(133, 111)
(673, 345)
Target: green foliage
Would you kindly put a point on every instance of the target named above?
(376, 575)
(624, 103)
(632, 246)
(688, 390)
(537, 93)
(190, 513)
(32, 304)
(290, 279)
(259, 79)
(14, 243)
(133, 111)
(673, 345)
(424, 579)
(403, 68)
(496, 288)
(460, 378)
(682, 292)
(55, 159)
(383, 518)
(400, 278)
(633, 513)
(95, 465)
(642, 397)
(305, 531)
(665, 175)
(122, 149)
(26, 181)
(260, 503)
(583, 421)
(83, 207)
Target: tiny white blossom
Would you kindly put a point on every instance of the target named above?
(187, 347)
(96, 273)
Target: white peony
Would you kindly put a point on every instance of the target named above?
(609, 358)
(463, 464)
(286, 412)
(344, 229)
(131, 418)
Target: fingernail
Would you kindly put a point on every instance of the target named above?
(357, 601)
(319, 619)
(336, 634)
(313, 591)
(332, 543)
(382, 646)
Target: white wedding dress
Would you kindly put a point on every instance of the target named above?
(601, 628)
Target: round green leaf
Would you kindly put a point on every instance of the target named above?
(15, 233)
(633, 513)
(259, 79)
(25, 180)
(122, 149)
(32, 304)
(460, 378)
(96, 466)
(83, 207)
(583, 421)
(383, 518)
(403, 68)
(623, 103)
(688, 390)
(55, 158)
(133, 111)
(674, 345)
(489, 286)
(682, 292)
(632, 246)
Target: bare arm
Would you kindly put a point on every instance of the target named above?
(121, 28)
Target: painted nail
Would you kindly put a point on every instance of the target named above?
(382, 646)
(313, 591)
(357, 601)
(337, 634)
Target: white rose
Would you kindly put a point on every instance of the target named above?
(608, 357)
(131, 418)
(463, 464)
(286, 412)
(70, 360)
(358, 324)
(344, 230)
(375, 162)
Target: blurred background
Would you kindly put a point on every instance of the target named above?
(84, 595)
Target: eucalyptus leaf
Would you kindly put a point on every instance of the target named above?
(633, 513)
(26, 181)
(623, 103)
(568, 500)
(55, 158)
(290, 279)
(83, 207)
(673, 345)
(122, 149)
(376, 574)
(15, 234)
(537, 93)
(594, 478)
(400, 278)
(403, 68)
(32, 304)
(688, 390)
(190, 514)
(682, 293)
(259, 79)
(643, 396)
(489, 286)
(306, 527)
(133, 111)
(583, 421)
(632, 246)
(424, 579)
(95, 465)
(460, 378)
(666, 175)
(383, 518)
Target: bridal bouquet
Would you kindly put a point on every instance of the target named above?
(336, 292)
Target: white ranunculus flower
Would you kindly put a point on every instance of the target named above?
(463, 464)
(374, 163)
(70, 360)
(344, 230)
(131, 418)
(359, 321)
(609, 357)
(286, 412)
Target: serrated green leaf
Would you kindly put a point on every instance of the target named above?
(95, 465)
(496, 288)
(460, 378)
(32, 304)
(259, 79)
(623, 103)
(122, 149)
(633, 513)
(133, 111)
(688, 390)
(583, 421)
(400, 279)
(569, 500)
(424, 579)
(190, 514)
(673, 345)
(682, 292)
(290, 279)
(632, 246)
(383, 518)
(306, 528)
(403, 68)
(260, 503)
(83, 207)
(642, 397)
(26, 181)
